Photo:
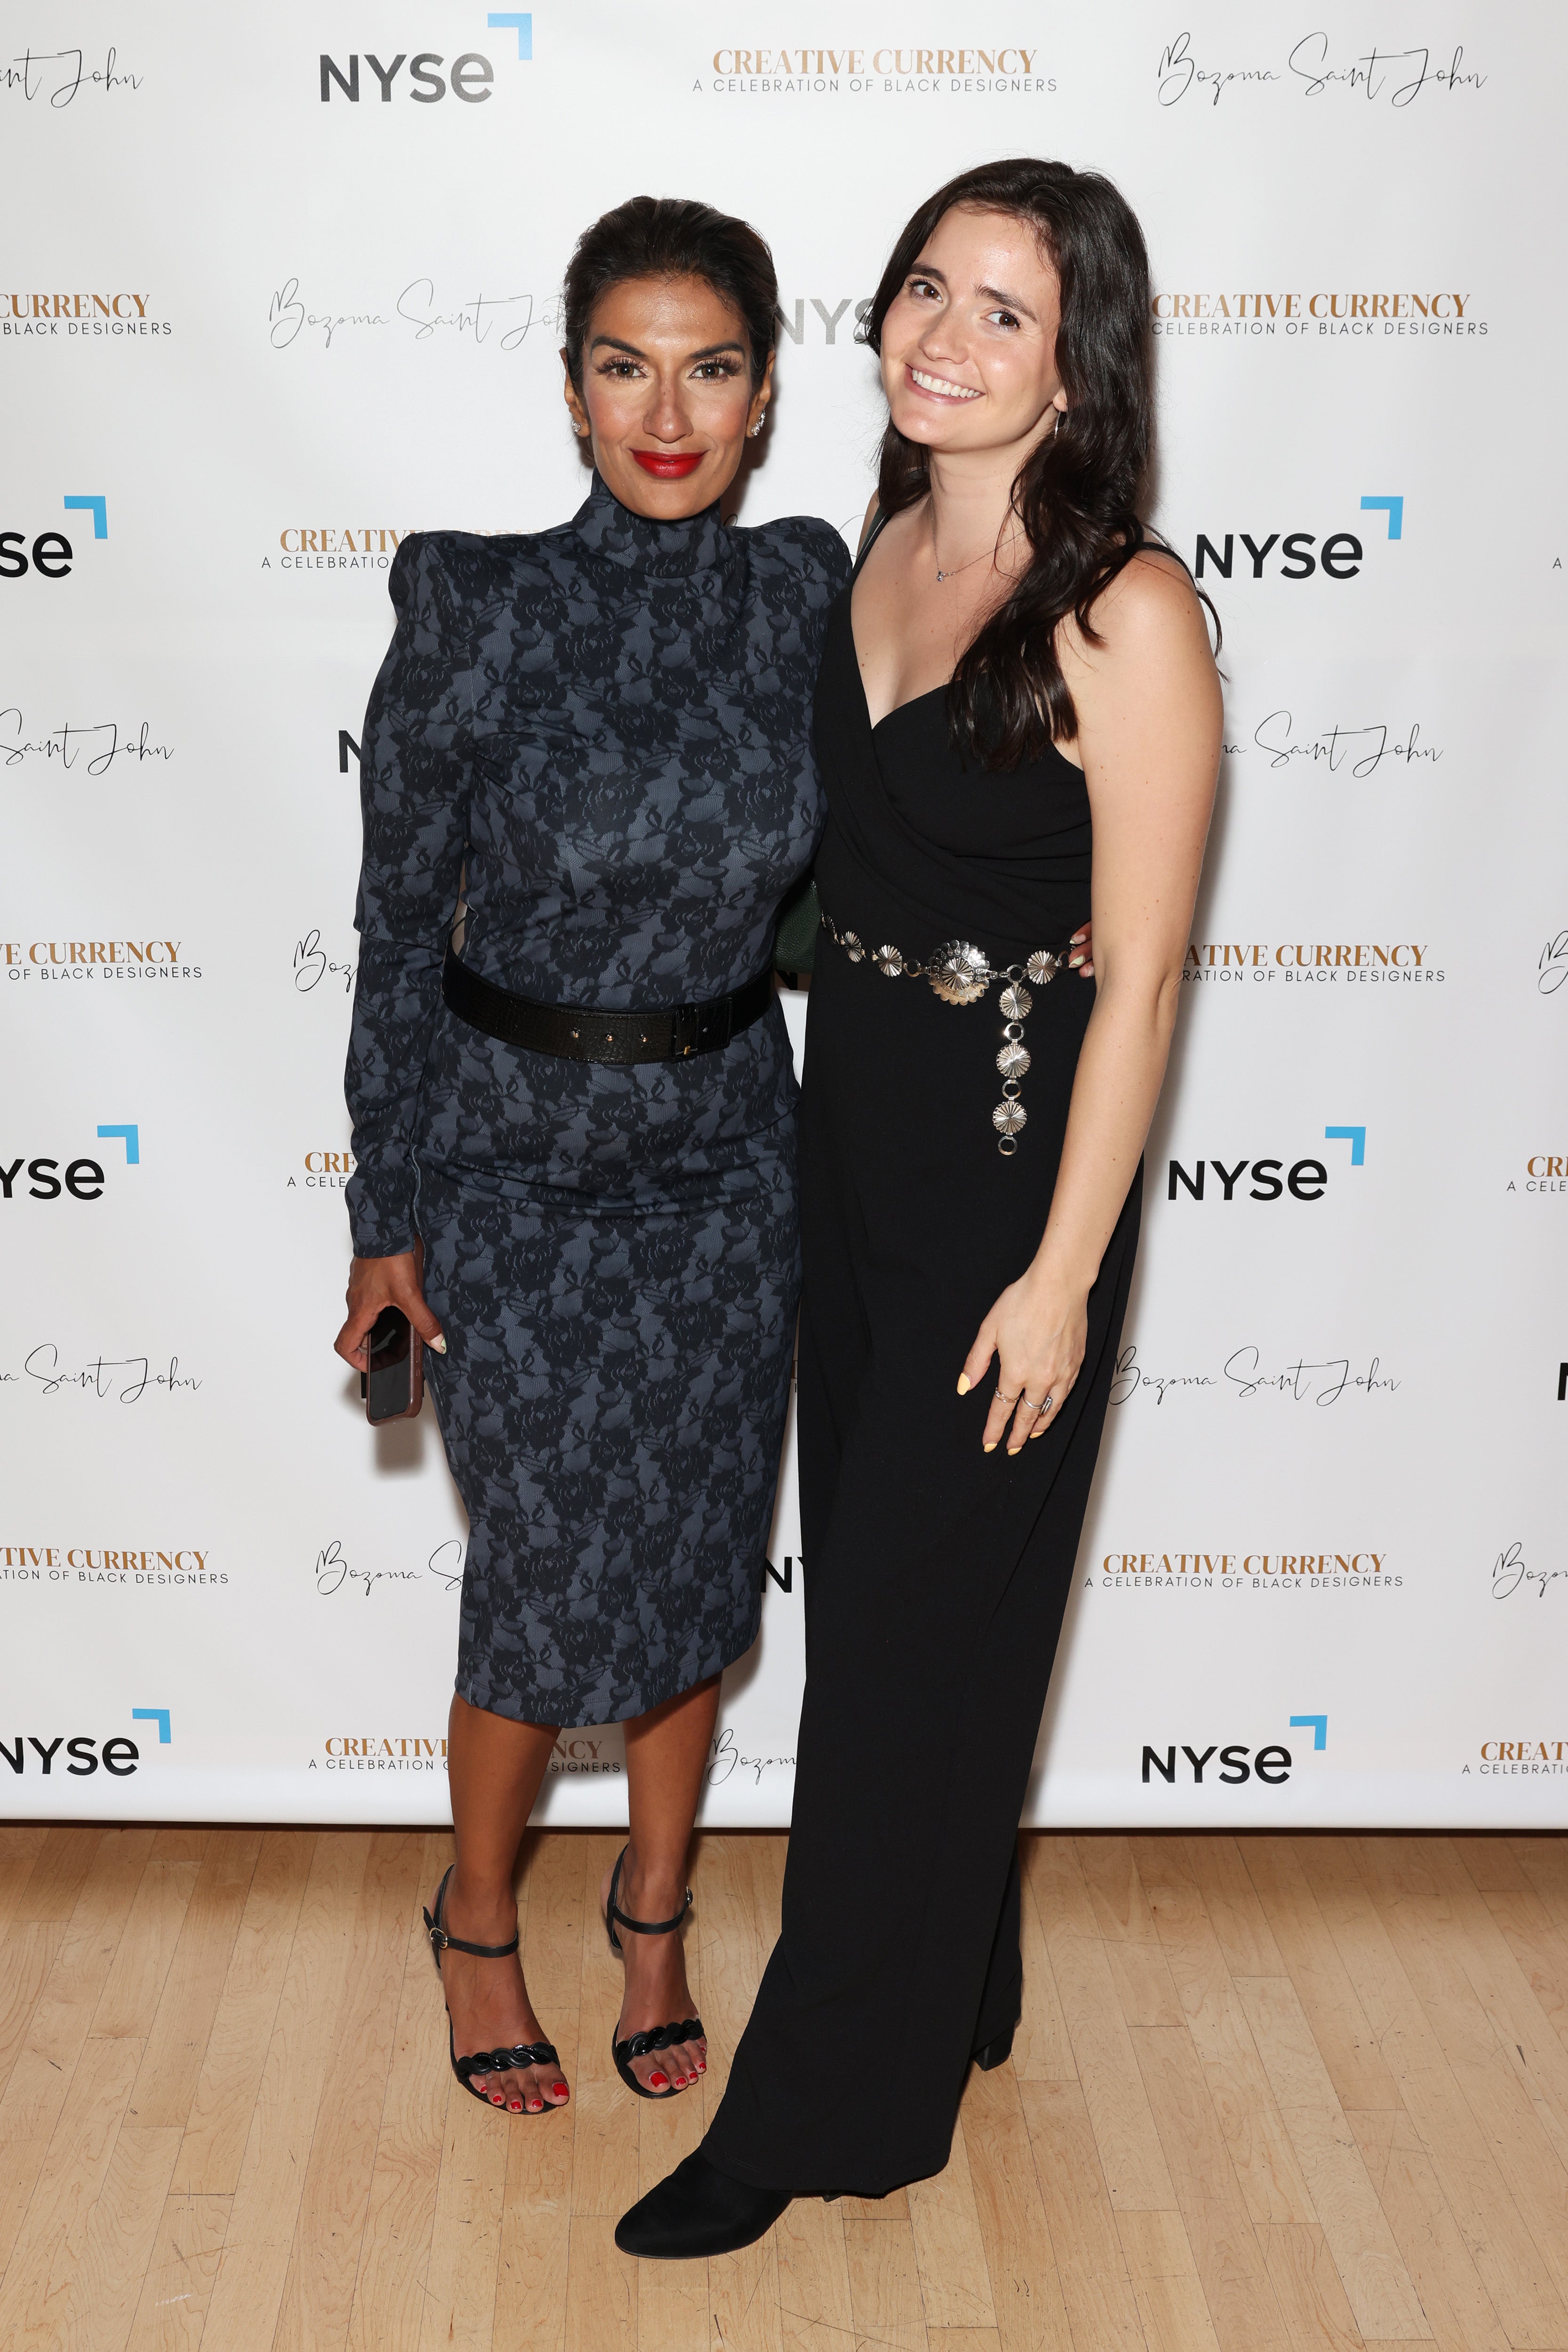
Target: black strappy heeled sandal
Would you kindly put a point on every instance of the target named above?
(661, 2037)
(483, 2062)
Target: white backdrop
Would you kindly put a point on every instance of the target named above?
(251, 334)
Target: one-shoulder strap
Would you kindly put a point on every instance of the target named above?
(878, 524)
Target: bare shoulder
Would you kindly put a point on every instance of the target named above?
(1150, 607)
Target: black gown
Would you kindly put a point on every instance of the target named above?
(935, 1575)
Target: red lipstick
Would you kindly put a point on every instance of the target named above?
(667, 466)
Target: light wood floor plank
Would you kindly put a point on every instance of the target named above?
(318, 2291)
(1101, 2308)
(1042, 2047)
(129, 2001)
(814, 2274)
(464, 2274)
(1255, 2134)
(35, 2297)
(1510, 2264)
(1171, 2300)
(1020, 2258)
(1323, 1983)
(1129, 2145)
(1459, 2311)
(394, 2248)
(950, 2252)
(187, 2246)
(20, 1847)
(1541, 1949)
(743, 2297)
(58, 1873)
(1310, 2291)
(1241, 1925)
(181, 2024)
(884, 2281)
(1229, 2256)
(27, 1957)
(243, 2313)
(1376, 2280)
(41, 2078)
(233, 2062)
(1419, 1919)
(601, 2290)
(122, 2231)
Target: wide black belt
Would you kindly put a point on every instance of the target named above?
(667, 1034)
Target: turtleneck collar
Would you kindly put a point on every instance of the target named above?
(661, 551)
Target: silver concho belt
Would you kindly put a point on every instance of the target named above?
(961, 974)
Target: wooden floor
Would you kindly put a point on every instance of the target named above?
(1270, 2094)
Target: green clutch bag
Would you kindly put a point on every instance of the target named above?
(794, 932)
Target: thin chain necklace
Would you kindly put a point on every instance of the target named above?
(955, 569)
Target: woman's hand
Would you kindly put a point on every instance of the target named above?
(1038, 1329)
(1081, 960)
(378, 1282)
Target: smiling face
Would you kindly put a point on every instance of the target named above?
(666, 394)
(968, 343)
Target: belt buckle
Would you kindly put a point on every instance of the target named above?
(684, 1024)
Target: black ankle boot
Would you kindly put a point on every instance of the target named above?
(697, 2211)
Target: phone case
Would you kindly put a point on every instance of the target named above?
(416, 1386)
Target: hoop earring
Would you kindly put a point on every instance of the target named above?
(1058, 425)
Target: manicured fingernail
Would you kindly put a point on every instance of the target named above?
(964, 1384)
(1074, 961)
(660, 2081)
(1076, 940)
(439, 1345)
(1014, 1449)
(991, 1448)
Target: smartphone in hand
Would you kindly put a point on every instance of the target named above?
(393, 1387)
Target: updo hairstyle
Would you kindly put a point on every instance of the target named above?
(671, 236)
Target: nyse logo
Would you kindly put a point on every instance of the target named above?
(1306, 1179)
(1338, 557)
(1239, 1762)
(82, 1180)
(470, 77)
(117, 1753)
(51, 554)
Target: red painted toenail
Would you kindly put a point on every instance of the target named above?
(517, 2106)
(561, 2087)
(658, 2082)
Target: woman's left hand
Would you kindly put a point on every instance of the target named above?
(1038, 1329)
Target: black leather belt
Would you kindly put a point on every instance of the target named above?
(669, 1035)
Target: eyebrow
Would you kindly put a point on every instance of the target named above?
(996, 293)
(709, 350)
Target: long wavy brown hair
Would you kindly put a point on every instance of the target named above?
(1077, 494)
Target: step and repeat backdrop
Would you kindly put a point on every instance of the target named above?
(278, 292)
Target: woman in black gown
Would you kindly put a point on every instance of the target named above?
(1017, 708)
(600, 735)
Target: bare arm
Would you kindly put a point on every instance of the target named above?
(1148, 735)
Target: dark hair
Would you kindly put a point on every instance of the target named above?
(1076, 493)
(673, 237)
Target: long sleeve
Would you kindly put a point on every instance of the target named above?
(413, 794)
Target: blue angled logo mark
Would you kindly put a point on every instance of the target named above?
(1317, 1725)
(1354, 1136)
(98, 508)
(158, 1715)
(524, 27)
(1393, 508)
(132, 1139)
